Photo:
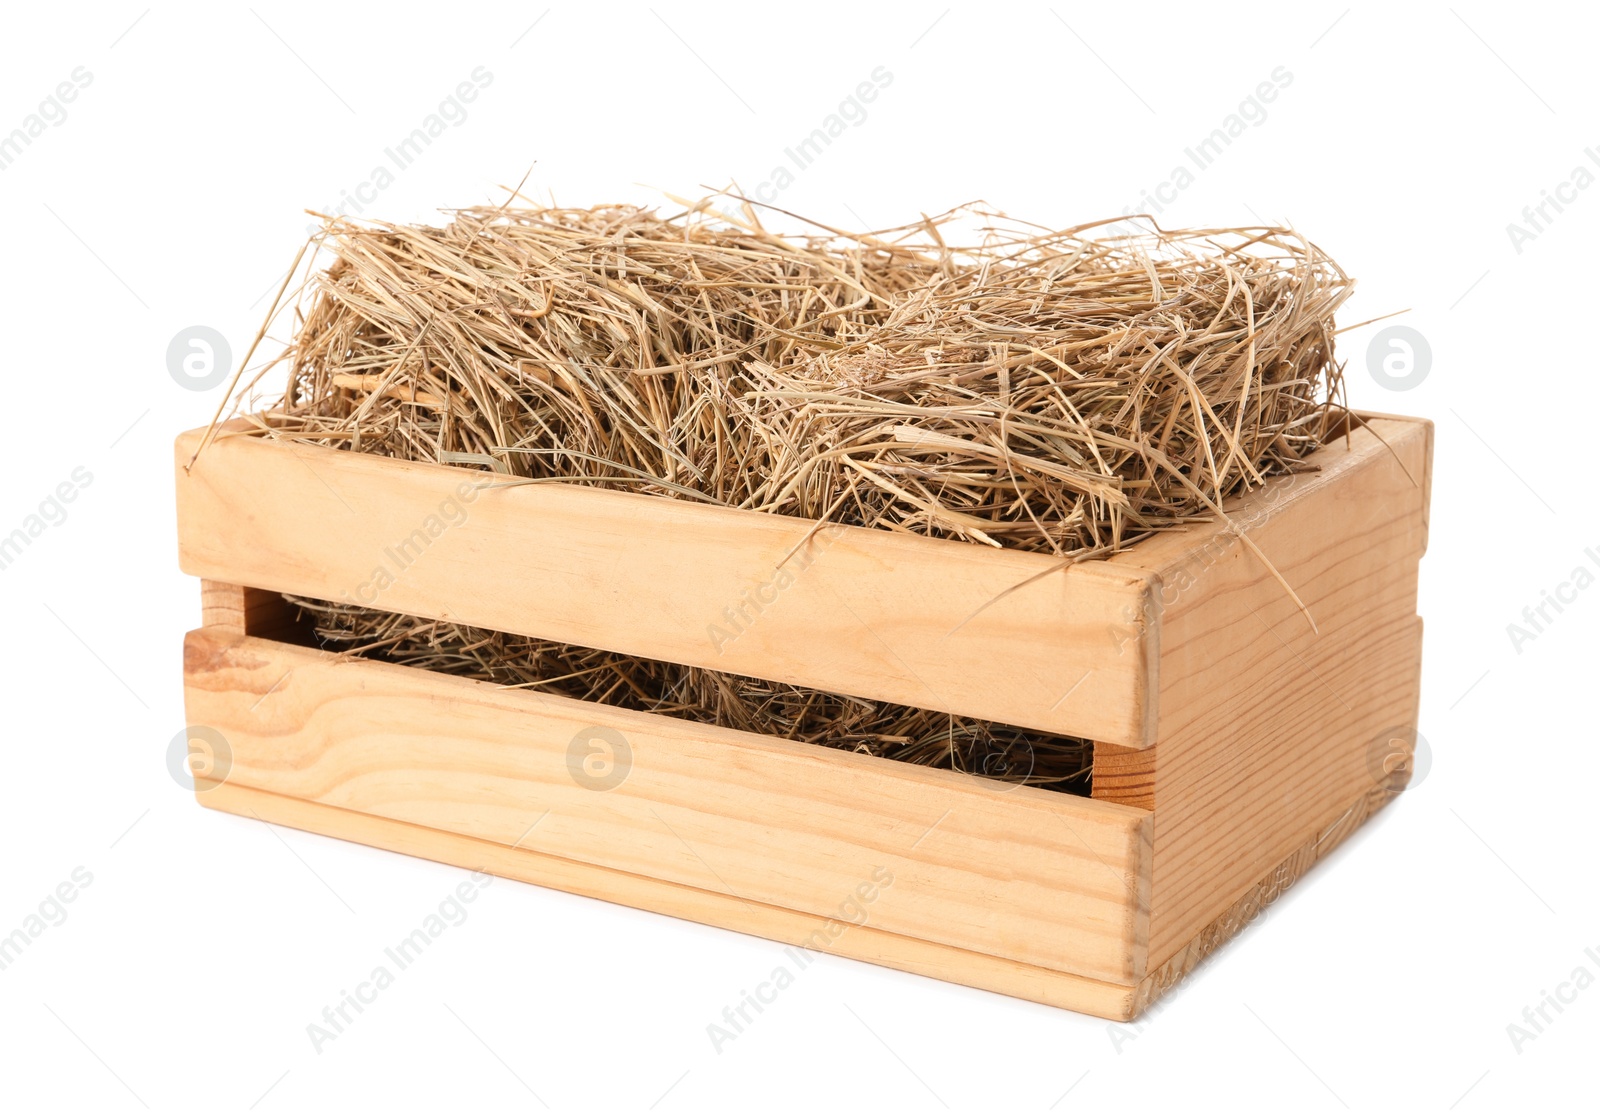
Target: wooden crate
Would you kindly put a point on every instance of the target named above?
(1234, 744)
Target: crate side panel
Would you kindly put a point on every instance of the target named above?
(1041, 878)
(1267, 726)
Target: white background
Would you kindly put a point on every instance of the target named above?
(183, 979)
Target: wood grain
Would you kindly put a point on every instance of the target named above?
(1264, 723)
(1123, 775)
(883, 615)
(1238, 916)
(1041, 878)
(858, 942)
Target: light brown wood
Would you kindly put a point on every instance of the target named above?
(858, 942)
(888, 616)
(1237, 917)
(1040, 878)
(249, 610)
(1124, 776)
(1264, 724)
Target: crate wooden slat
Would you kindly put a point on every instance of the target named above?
(1232, 740)
(809, 933)
(488, 762)
(892, 616)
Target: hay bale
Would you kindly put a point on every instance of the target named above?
(1052, 391)
(1042, 391)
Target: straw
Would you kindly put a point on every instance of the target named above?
(966, 376)
(885, 730)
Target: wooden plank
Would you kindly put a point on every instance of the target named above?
(1041, 878)
(1265, 724)
(859, 942)
(887, 616)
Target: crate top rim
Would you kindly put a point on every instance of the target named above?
(1142, 561)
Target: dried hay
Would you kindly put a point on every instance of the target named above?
(1058, 392)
